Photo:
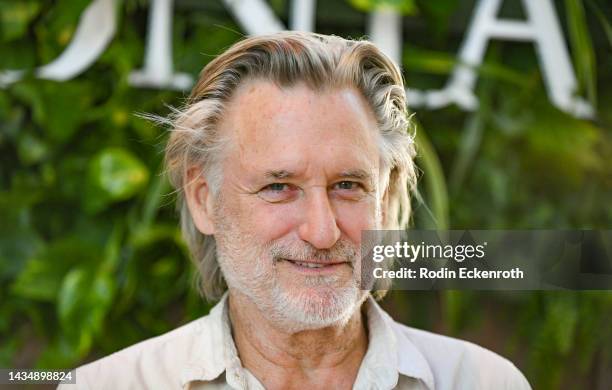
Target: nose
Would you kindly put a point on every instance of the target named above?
(319, 226)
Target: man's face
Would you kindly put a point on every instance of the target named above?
(300, 183)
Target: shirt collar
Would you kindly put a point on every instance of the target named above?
(390, 352)
(207, 361)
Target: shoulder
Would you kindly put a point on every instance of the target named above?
(460, 364)
(152, 363)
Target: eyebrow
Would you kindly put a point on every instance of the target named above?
(357, 174)
(279, 174)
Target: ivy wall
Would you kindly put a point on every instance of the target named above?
(91, 259)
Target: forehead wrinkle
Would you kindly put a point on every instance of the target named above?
(247, 130)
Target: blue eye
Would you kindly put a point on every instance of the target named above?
(278, 192)
(276, 186)
(346, 185)
(349, 190)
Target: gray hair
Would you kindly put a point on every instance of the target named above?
(321, 62)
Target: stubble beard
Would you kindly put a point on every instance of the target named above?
(250, 269)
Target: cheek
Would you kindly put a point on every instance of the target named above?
(270, 222)
(353, 218)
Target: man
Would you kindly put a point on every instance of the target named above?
(289, 147)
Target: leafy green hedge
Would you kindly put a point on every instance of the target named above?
(91, 259)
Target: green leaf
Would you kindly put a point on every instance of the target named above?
(562, 317)
(560, 148)
(605, 24)
(584, 55)
(38, 281)
(61, 353)
(32, 149)
(83, 301)
(456, 303)
(164, 267)
(428, 61)
(435, 182)
(149, 235)
(58, 107)
(471, 138)
(74, 288)
(115, 174)
(43, 274)
(156, 193)
(15, 16)
(405, 7)
(112, 250)
(443, 63)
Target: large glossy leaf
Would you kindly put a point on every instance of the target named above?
(44, 272)
(85, 220)
(83, 301)
(114, 175)
(58, 108)
(435, 183)
(15, 17)
(584, 55)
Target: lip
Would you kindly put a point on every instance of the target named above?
(322, 267)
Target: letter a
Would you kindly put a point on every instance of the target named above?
(542, 28)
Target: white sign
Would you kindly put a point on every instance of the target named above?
(97, 26)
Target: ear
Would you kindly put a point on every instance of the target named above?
(199, 200)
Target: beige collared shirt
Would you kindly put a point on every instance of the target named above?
(202, 355)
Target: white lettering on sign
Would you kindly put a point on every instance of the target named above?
(97, 27)
(541, 27)
(158, 71)
(302, 17)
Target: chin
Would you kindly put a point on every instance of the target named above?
(312, 308)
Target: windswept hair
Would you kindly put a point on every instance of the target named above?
(321, 62)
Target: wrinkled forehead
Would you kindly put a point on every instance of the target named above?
(296, 125)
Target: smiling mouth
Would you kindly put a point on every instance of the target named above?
(308, 265)
(315, 265)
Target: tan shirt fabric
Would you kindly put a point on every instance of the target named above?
(202, 355)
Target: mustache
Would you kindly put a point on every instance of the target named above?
(341, 251)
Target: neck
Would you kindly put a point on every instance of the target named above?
(313, 358)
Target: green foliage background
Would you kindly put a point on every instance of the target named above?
(91, 258)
